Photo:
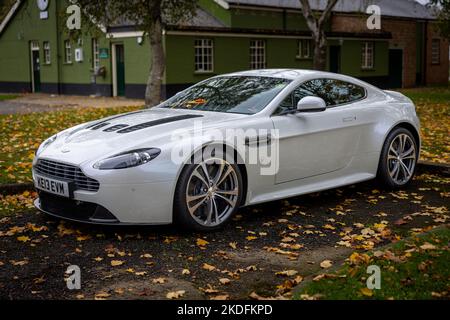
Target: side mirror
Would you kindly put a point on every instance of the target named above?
(311, 104)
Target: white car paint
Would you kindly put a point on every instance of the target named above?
(318, 151)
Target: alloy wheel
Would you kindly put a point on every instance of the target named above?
(402, 158)
(212, 192)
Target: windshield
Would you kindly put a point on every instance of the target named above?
(244, 95)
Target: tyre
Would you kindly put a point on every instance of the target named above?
(207, 195)
(398, 159)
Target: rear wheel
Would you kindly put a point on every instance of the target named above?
(208, 194)
(398, 159)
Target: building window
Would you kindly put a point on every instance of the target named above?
(204, 55)
(67, 51)
(95, 55)
(304, 49)
(257, 54)
(367, 55)
(47, 53)
(436, 51)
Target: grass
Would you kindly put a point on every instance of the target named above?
(416, 268)
(21, 135)
(4, 97)
(433, 108)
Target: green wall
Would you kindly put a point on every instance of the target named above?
(232, 54)
(351, 59)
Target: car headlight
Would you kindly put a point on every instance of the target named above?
(46, 143)
(128, 159)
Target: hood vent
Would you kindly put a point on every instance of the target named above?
(115, 128)
(158, 122)
(112, 118)
(99, 126)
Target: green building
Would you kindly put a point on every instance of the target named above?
(37, 53)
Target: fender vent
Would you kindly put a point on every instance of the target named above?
(158, 122)
(116, 127)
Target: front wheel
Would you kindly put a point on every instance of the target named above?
(207, 194)
(398, 159)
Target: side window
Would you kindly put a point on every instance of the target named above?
(333, 92)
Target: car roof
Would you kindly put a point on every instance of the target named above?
(290, 74)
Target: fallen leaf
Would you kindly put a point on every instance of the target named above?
(202, 242)
(224, 280)
(287, 273)
(175, 294)
(367, 292)
(185, 272)
(23, 239)
(326, 264)
(159, 280)
(208, 267)
(220, 297)
(102, 296)
(427, 246)
(233, 245)
(116, 263)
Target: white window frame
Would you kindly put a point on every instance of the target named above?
(436, 51)
(47, 52)
(302, 45)
(95, 54)
(258, 54)
(67, 52)
(368, 55)
(204, 55)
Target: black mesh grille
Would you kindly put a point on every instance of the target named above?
(68, 173)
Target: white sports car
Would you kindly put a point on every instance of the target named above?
(230, 141)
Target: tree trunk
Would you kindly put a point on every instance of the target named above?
(158, 65)
(320, 51)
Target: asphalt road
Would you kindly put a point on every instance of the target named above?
(150, 263)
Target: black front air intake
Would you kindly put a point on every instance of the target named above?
(157, 123)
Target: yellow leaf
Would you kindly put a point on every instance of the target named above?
(251, 238)
(202, 242)
(23, 239)
(220, 297)
(208, 267)
(224, 281)
(159, 280)
(98, 259)
(326, 264)
(175, 294)
(83, 238)
(367, 292)
(102, 296)
(116, 263)
(233, 245)
(427, 246)
(185, 272)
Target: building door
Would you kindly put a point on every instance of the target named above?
(395, 68)
(35, 68)
(335, 59)
(120, 69)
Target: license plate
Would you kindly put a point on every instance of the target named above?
(60, 188)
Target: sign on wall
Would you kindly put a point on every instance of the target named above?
(43, 6)
(104, 53)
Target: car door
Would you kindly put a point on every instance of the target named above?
(313, 144)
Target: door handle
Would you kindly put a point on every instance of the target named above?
(349, 119)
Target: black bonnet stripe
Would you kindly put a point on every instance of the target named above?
(158, 122)
(92, 126)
